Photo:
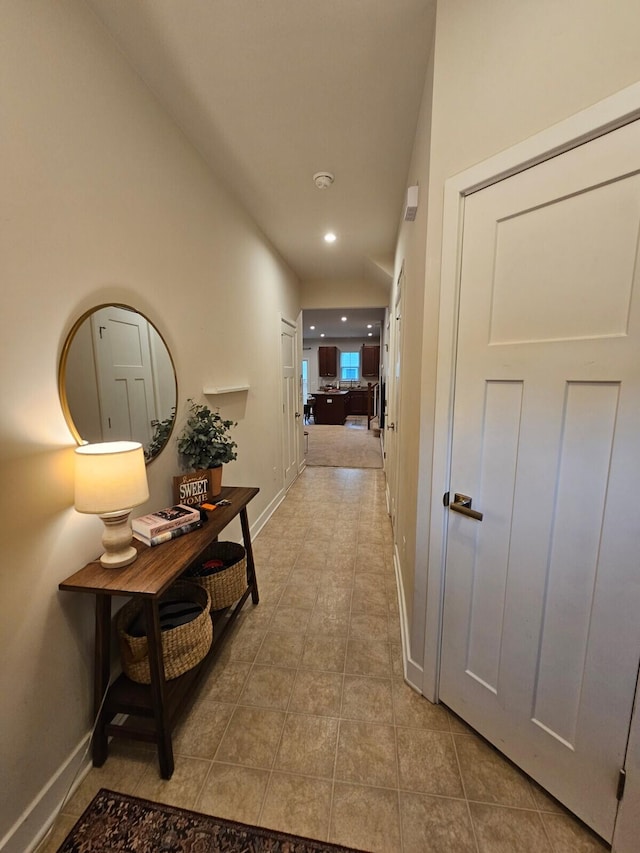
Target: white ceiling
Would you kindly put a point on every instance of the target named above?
(272, 91)
(359, 323)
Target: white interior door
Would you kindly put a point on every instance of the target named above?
(541, 634)
(125, 381)
(291, 418)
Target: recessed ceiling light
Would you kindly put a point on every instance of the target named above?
(312, 327)
(370, 334)
(322, 334)
(369, 326)
(330, 237)
(344, 319)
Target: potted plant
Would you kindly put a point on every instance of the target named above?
(161, 432)
(205, 442)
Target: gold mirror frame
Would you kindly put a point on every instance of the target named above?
(88, 416)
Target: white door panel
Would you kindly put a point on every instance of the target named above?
(392, 421)
(125, 379)
(541, 636)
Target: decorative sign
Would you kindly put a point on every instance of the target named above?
(193, 488)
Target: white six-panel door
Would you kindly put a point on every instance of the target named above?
(541, 630)
(124, 373)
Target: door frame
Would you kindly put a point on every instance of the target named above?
(605, 116)
(394, 389)
(293, 326)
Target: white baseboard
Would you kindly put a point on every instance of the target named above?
(36, 820)
(266, 514)
(413, 672)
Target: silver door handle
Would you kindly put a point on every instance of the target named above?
(462, 504)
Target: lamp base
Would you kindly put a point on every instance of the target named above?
(119, 561)
(116, 539)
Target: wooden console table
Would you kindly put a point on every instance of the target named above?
(153, 709)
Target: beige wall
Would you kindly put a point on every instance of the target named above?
(502, 72)
(102, 199)
(410, 257)
(352, 293)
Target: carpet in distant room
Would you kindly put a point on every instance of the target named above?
(348, 446)
(119, 823)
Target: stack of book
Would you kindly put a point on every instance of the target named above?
(166, 524)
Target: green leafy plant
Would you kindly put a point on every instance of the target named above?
(205, 441)
(161, 432)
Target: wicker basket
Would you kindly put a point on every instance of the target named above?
(226, 584)
(183, 647)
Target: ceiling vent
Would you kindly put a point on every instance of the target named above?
(411, 206)
(323, 180)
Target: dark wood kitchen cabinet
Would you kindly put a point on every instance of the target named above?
(359, 401)
(327, 361)
(370, 360)
(331, 407)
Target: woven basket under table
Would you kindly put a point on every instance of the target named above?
(183, 647)
(227, 584)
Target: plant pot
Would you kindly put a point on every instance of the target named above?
(216, 481)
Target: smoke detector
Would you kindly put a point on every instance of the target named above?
(323, 180)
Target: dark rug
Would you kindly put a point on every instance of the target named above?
(118, 823)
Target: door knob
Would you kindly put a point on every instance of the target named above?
(391, 426)
(462, 504)
(297, 414)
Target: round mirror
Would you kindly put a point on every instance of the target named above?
(117, 381)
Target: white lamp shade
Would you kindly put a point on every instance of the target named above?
(110, 476)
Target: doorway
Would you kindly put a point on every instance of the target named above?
(392, 420)
(540, 635)
(291, 408)
(341, 367)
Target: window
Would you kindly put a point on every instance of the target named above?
(349, 365)
(305, 379)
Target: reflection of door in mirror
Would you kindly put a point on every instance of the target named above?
(119, 377)
(123, 368)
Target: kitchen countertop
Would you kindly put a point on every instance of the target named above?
(346, 390)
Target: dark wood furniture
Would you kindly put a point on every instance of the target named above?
(327, 361)
(333, 407)
(370, 360)
(330, 407)
(359, 401)
(153, 709)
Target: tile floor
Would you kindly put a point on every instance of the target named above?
(306, 724)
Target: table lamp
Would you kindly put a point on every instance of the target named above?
(111, 478)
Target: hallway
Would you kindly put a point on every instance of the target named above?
(306, 724)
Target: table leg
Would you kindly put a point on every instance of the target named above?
(160, 711)
(251, 568)
(102, 668)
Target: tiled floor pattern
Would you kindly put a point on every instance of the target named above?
(306, 724)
